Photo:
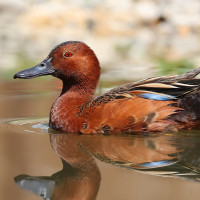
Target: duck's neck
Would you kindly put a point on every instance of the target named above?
(82, 88)
(64, 113)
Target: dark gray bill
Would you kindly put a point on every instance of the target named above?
(42, 69)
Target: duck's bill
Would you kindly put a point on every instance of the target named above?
(42, 69)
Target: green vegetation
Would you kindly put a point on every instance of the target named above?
(174, 67)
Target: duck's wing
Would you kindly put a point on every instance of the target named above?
(140, 106)
(162, 88)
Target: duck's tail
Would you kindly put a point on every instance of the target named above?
(189, 100)
(190, 115)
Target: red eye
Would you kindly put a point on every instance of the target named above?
(68, 54)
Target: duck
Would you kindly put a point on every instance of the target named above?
(156, 104)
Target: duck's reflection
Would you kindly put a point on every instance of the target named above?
(80, 176)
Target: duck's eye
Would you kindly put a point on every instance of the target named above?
(68, 54)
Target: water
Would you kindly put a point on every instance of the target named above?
(37, 163)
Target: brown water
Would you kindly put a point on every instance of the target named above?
(36, 163)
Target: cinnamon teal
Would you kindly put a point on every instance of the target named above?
(167, 103)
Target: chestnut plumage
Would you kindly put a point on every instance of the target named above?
(167, 103)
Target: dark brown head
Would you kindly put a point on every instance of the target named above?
(73, 62)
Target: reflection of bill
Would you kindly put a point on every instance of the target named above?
(80, 176)
(41, 186)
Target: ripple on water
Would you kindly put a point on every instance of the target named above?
(24, 125)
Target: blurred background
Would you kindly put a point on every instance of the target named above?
(133, 39)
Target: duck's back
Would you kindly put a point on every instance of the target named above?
(156, 104)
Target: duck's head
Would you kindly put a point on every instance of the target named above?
(70, 61)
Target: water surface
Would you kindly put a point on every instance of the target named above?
(37, 163)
